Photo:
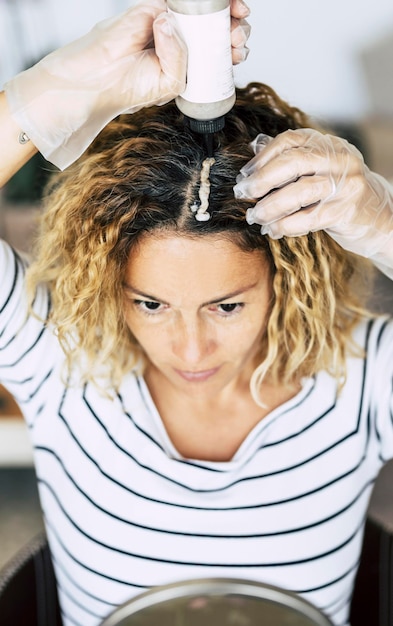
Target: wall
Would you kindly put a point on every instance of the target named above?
(313, 54)
(334, 60)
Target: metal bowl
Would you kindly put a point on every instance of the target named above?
(217, 602)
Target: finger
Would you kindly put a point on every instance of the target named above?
(290, 199)
(258, 177)
(239, 9)
(282, 170)
(307, 138)
(287, 140)
(132, 30)
(171, 52)
(240, 32)
(308, 220)
(258, 144)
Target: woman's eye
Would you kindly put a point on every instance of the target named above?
(227, 309)
(148, 306)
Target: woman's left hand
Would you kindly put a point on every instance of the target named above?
(240, 31)
(305, 181)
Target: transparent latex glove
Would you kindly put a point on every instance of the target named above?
(125, 63)
(304, 181)
(240, 30)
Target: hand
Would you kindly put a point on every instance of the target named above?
(125, 63)
(306, 181)
(240, 31)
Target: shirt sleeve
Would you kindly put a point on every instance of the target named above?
(21, 334)
(379, 380)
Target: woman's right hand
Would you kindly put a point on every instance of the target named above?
(125, 63)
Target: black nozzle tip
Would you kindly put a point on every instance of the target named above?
(206, 127)
(208, 141)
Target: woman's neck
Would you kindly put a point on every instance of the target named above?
(211, 427)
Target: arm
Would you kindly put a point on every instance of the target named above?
(125, 63)
(303, 181)
(17, 154)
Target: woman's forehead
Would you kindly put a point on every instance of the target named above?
(171, 266)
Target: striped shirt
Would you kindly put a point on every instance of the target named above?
(124, 512)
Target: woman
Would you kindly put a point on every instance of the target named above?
(203, 399)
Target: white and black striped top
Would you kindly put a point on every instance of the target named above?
(124, 512)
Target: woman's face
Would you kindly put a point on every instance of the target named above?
(198, 308)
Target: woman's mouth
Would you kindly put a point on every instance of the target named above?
(198, 376)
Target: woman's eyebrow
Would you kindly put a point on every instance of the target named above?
(147, 296)
(226, 296)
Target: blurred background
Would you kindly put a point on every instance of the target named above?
(332, 60)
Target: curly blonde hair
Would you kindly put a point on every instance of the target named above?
(141, 175)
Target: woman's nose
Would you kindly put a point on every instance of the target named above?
(193, 342)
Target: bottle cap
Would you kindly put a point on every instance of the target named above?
(206, 126)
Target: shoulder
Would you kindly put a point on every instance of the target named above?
(375, 338)
(13, 298)
(11, 265)
(12, 270)
(375, 334)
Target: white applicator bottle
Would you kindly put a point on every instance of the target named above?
(210, 90)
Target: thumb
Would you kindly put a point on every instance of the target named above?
(171, 52)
